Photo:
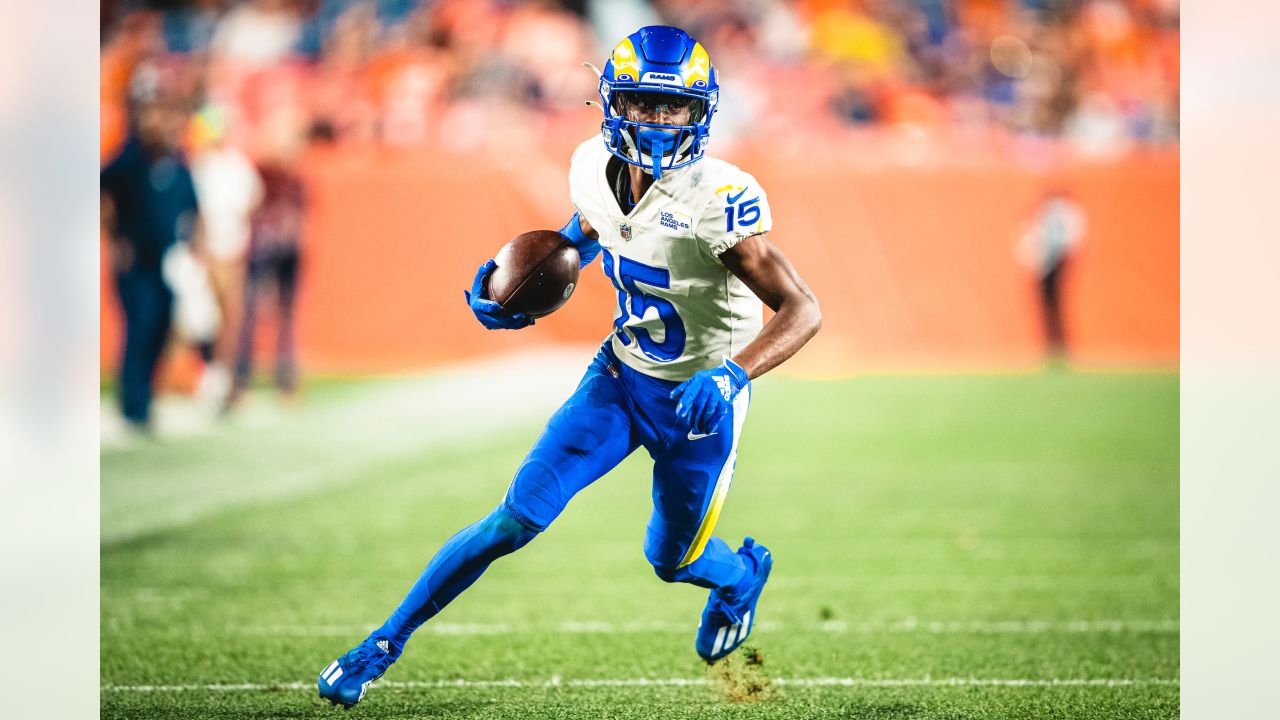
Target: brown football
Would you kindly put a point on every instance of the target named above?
(536, 273)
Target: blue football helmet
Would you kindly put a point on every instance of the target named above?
(659, 92)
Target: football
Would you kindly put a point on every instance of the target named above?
(536, 273)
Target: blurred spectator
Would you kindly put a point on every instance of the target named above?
(410, 80)
(548, 45)
(137, 39)
(274, 255)
(1052, 236)
(229, 189)
(844, 33)
(148, 205)
(259, 32)
(610, 19)
(1096, 127)
(191, 29)
(857, 100)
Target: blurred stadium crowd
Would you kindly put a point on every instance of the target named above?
(207, 107)
(1103, 73)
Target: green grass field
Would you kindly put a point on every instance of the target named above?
(946, 547)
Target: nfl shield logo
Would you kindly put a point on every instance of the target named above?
(625, 231)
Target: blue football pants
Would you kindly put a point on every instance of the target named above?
(614, 410)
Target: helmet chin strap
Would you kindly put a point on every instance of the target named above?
(656, 144)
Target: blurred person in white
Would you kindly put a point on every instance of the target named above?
(229, 189)
(1096, 127)
(1046, 245)
(149, 205)
(259, 33)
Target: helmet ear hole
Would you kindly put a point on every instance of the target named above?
(698, 111)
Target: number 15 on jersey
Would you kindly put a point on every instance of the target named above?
(741, 214)
(628, 276)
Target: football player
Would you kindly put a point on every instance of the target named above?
(684, 239)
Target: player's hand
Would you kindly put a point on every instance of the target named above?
(489, 313)
(706, 398)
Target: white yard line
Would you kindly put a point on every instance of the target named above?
(554, 682)
(603, 627)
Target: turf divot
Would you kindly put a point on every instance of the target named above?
(741, 678)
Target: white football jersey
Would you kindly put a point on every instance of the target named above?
(679, 308)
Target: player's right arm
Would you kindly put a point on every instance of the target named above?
(577, 231)
(583, 193)
(583, 237)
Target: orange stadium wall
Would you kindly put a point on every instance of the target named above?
(914, 268)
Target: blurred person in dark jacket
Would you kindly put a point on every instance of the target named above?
(148, 206)
(275, 240)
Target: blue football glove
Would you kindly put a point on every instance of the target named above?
(489, 313)
(706, 398)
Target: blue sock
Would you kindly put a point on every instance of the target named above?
(453, 569)
(717, 567)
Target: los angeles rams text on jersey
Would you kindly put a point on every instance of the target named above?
(679, 310)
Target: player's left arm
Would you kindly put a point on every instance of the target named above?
(771, 276)
(704, 399)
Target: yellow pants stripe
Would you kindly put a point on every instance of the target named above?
(709, 518)
(712, 514)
